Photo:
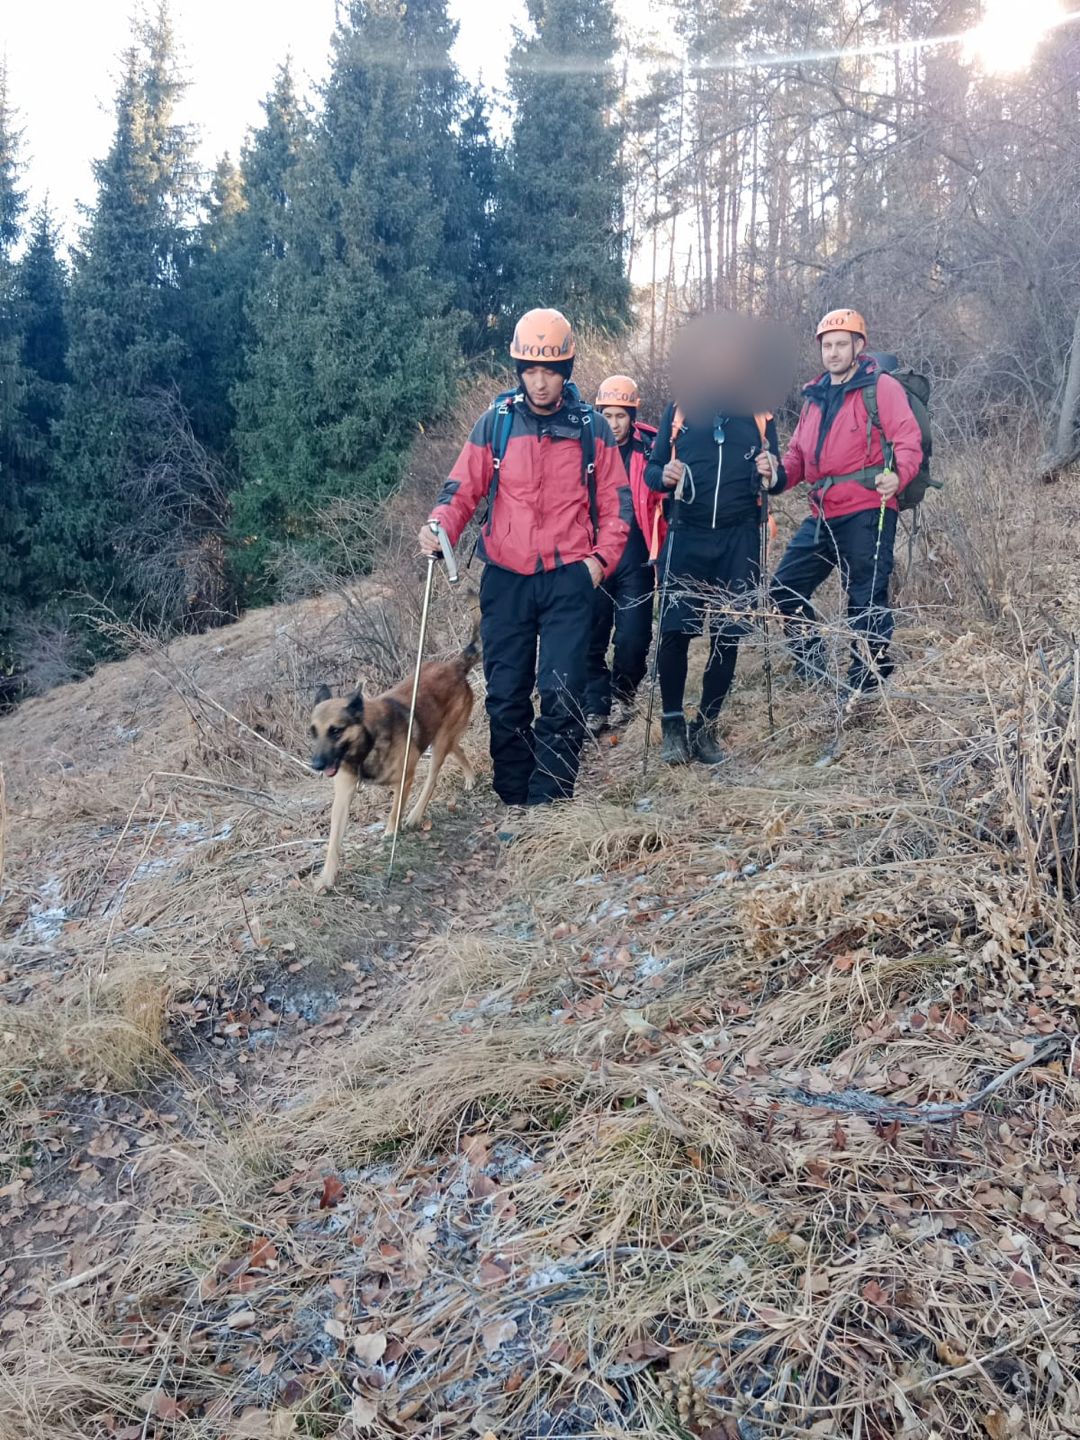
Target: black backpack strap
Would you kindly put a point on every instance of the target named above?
(873, 422)
(588, 463)
(501, 425)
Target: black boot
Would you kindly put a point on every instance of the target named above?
(703, 743)
(674, 749)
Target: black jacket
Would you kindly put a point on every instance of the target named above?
(723, 487)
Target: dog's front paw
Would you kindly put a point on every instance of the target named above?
(323, 883)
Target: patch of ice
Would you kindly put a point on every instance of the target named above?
(47, 917)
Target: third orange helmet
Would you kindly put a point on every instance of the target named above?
(542, 336)
(849, 320)
(618, 391)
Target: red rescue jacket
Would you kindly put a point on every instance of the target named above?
(541, 516)
(648, 505)
(850, 442)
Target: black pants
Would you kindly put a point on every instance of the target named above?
(623, 602)
(709, 569)
(811, 557)
(535, 633)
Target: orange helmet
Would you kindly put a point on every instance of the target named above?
(849, 320)
(619, 391)
(544, 337)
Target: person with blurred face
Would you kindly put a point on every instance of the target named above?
(623, 602)
(555, 527)
(708, 461)
(855, 471)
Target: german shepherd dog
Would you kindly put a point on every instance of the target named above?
(356, 739)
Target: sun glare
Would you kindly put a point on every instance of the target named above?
(1010, 32)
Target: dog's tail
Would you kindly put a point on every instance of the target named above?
(471, 653)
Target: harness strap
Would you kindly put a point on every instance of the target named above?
(867, 478)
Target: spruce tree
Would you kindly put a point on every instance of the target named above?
(40, 299)
(237, 245)
(12, 377)
(126, 344)
(356, 335)
(561, 230)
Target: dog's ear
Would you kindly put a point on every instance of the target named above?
(321, 694)
(354, 707)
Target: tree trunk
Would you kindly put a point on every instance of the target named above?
(1066, 441)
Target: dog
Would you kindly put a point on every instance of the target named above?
(357, 739)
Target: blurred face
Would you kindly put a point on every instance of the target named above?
(543, 387)
(619, 421)
(839, 351)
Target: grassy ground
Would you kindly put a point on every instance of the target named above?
(727, 1104)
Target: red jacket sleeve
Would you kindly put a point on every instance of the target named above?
(900, 427)
(469, 481)
(794, 461)
(614, 503)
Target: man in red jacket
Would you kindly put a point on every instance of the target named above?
(623, 603)
(555, 526)
(855, 472)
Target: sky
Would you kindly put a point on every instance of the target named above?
(62, 60)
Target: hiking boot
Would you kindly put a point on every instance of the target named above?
(674, 747)
(595, 724)
(622, 713)
(703, 743)
(512, 824)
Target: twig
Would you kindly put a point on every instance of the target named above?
(82, 1278)
(859, 1102)
(206, 699)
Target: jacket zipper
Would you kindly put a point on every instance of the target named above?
(716, 492)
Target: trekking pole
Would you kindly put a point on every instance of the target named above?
(873, 579)
(453, 577)
(763, 571)
(678, 494)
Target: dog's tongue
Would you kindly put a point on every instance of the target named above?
(331, 770)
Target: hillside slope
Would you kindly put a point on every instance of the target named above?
(734, 1104)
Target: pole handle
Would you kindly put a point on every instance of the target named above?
(449, 558)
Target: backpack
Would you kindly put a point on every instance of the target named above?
(917, 389)
(579, 414)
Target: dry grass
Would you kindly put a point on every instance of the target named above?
(638, 1149)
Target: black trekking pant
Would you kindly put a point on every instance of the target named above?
(711, 571)
(814, 552)
(535, 633)
(624, 602)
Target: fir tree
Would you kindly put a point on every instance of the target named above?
(237, 245)
(40, 298)
(356, 336)
(562, 240)
(12, 377)
(125, 340)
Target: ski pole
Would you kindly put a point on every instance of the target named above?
(664, 586)
(453, 577)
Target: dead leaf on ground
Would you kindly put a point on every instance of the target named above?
(369, 1349)
(498, 1333)
(333, 1192)
(165, 1407)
